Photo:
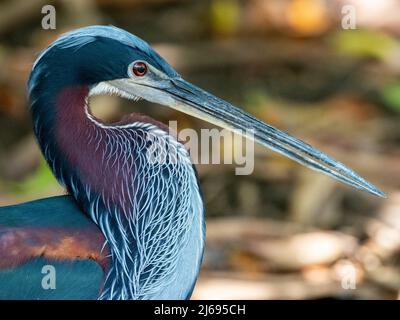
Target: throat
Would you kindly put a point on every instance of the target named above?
(80, 141)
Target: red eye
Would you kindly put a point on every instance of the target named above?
(139, 69)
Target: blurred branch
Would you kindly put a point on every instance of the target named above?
(234, 286)
(280, 260)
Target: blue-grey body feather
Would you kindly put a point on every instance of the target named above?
(79, 279)
(74, 280)
(60, 211)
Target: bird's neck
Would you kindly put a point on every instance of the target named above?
(104, 170)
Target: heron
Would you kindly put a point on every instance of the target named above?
(128, 227)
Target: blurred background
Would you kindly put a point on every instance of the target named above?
(283, 232)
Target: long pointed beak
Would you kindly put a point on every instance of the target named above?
(201, 104)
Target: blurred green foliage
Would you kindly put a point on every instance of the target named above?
(39, 182)
(225, 16)
(364, 43)
(391, 95)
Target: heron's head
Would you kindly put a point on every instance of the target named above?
(111, 60)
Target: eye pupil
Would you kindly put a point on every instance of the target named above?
(139, 69)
